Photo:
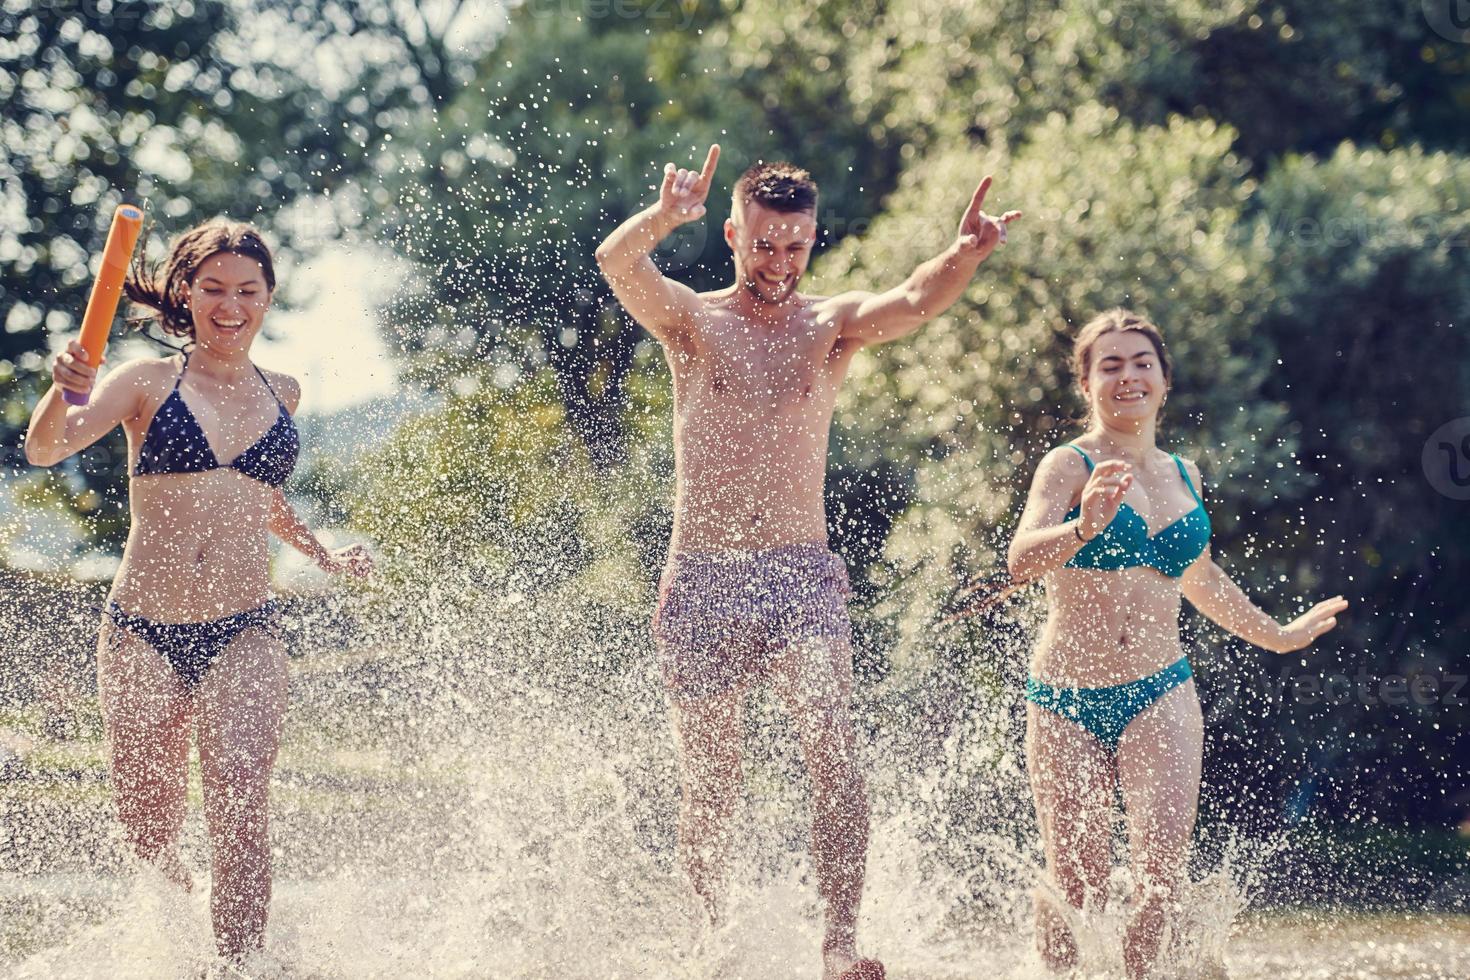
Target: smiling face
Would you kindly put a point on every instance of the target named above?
(228, 299)
(1125, 384)
(771, 249)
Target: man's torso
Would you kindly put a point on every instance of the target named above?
(753, 405)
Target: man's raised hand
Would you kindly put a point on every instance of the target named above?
(682, 195)
(980, 233)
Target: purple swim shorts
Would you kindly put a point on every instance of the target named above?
(724, 617)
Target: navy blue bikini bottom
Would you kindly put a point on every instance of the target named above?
(190, 648)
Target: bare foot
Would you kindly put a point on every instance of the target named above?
(843, 963)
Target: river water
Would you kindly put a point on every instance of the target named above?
(444, 809)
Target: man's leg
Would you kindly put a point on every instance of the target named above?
(813, 678)
(710, 733)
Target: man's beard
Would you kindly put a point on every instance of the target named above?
(755, 291)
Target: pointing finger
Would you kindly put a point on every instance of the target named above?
(710, 161)
(979, 197)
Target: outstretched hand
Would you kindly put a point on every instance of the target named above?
(980, 233)
(683, 192)
(353, 560)
(1303, 630)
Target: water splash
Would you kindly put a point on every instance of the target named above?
(494, 800)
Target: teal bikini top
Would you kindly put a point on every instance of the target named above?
(1126, 543)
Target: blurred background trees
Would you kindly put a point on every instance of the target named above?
(1280, 185)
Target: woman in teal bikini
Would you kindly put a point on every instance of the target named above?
(1116, 529)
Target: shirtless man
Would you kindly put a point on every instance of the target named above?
(751, 593)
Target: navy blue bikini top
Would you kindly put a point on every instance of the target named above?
(1126, 543)
(174, 443)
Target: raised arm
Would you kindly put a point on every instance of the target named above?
(58, 430)
(932, 288)
(1044, 539)
(662, 306)
(1215, 594)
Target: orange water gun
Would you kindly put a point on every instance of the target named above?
(127, 223)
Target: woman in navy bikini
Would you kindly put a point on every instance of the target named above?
(1117, 530)
(189, 636)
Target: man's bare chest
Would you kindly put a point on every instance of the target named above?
(740, 363)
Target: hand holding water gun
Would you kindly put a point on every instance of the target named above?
(75, 370)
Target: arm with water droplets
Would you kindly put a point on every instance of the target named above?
(932, 288)
(58, 430)
(287, 525)
(1211, 590)
(1044, 539)
(662, 306)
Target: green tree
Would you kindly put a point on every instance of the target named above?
(1300, 77)
(193, 109)
(1370, 297)
(101, 101)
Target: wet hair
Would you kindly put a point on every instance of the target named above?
(780, 186)
(164, 289)
(1116, 320)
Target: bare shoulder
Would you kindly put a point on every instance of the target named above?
(136, 387)
(146, 373)
(714, 300)
(286, 387)
(1062, 465)
(838, 307)
(1060, 477)
(1194, 474)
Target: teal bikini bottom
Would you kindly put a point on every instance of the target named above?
(1106, 711)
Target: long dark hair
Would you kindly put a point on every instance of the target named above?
(163, 290)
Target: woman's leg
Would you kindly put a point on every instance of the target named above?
(1159, 770)
(146, 712)
(241, 704)
(1072, 781)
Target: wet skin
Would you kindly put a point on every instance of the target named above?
(756, 369)
(1108, 627)
(197, 550)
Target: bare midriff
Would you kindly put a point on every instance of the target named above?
(752, 411)
(1107, 627)
(198, 546)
